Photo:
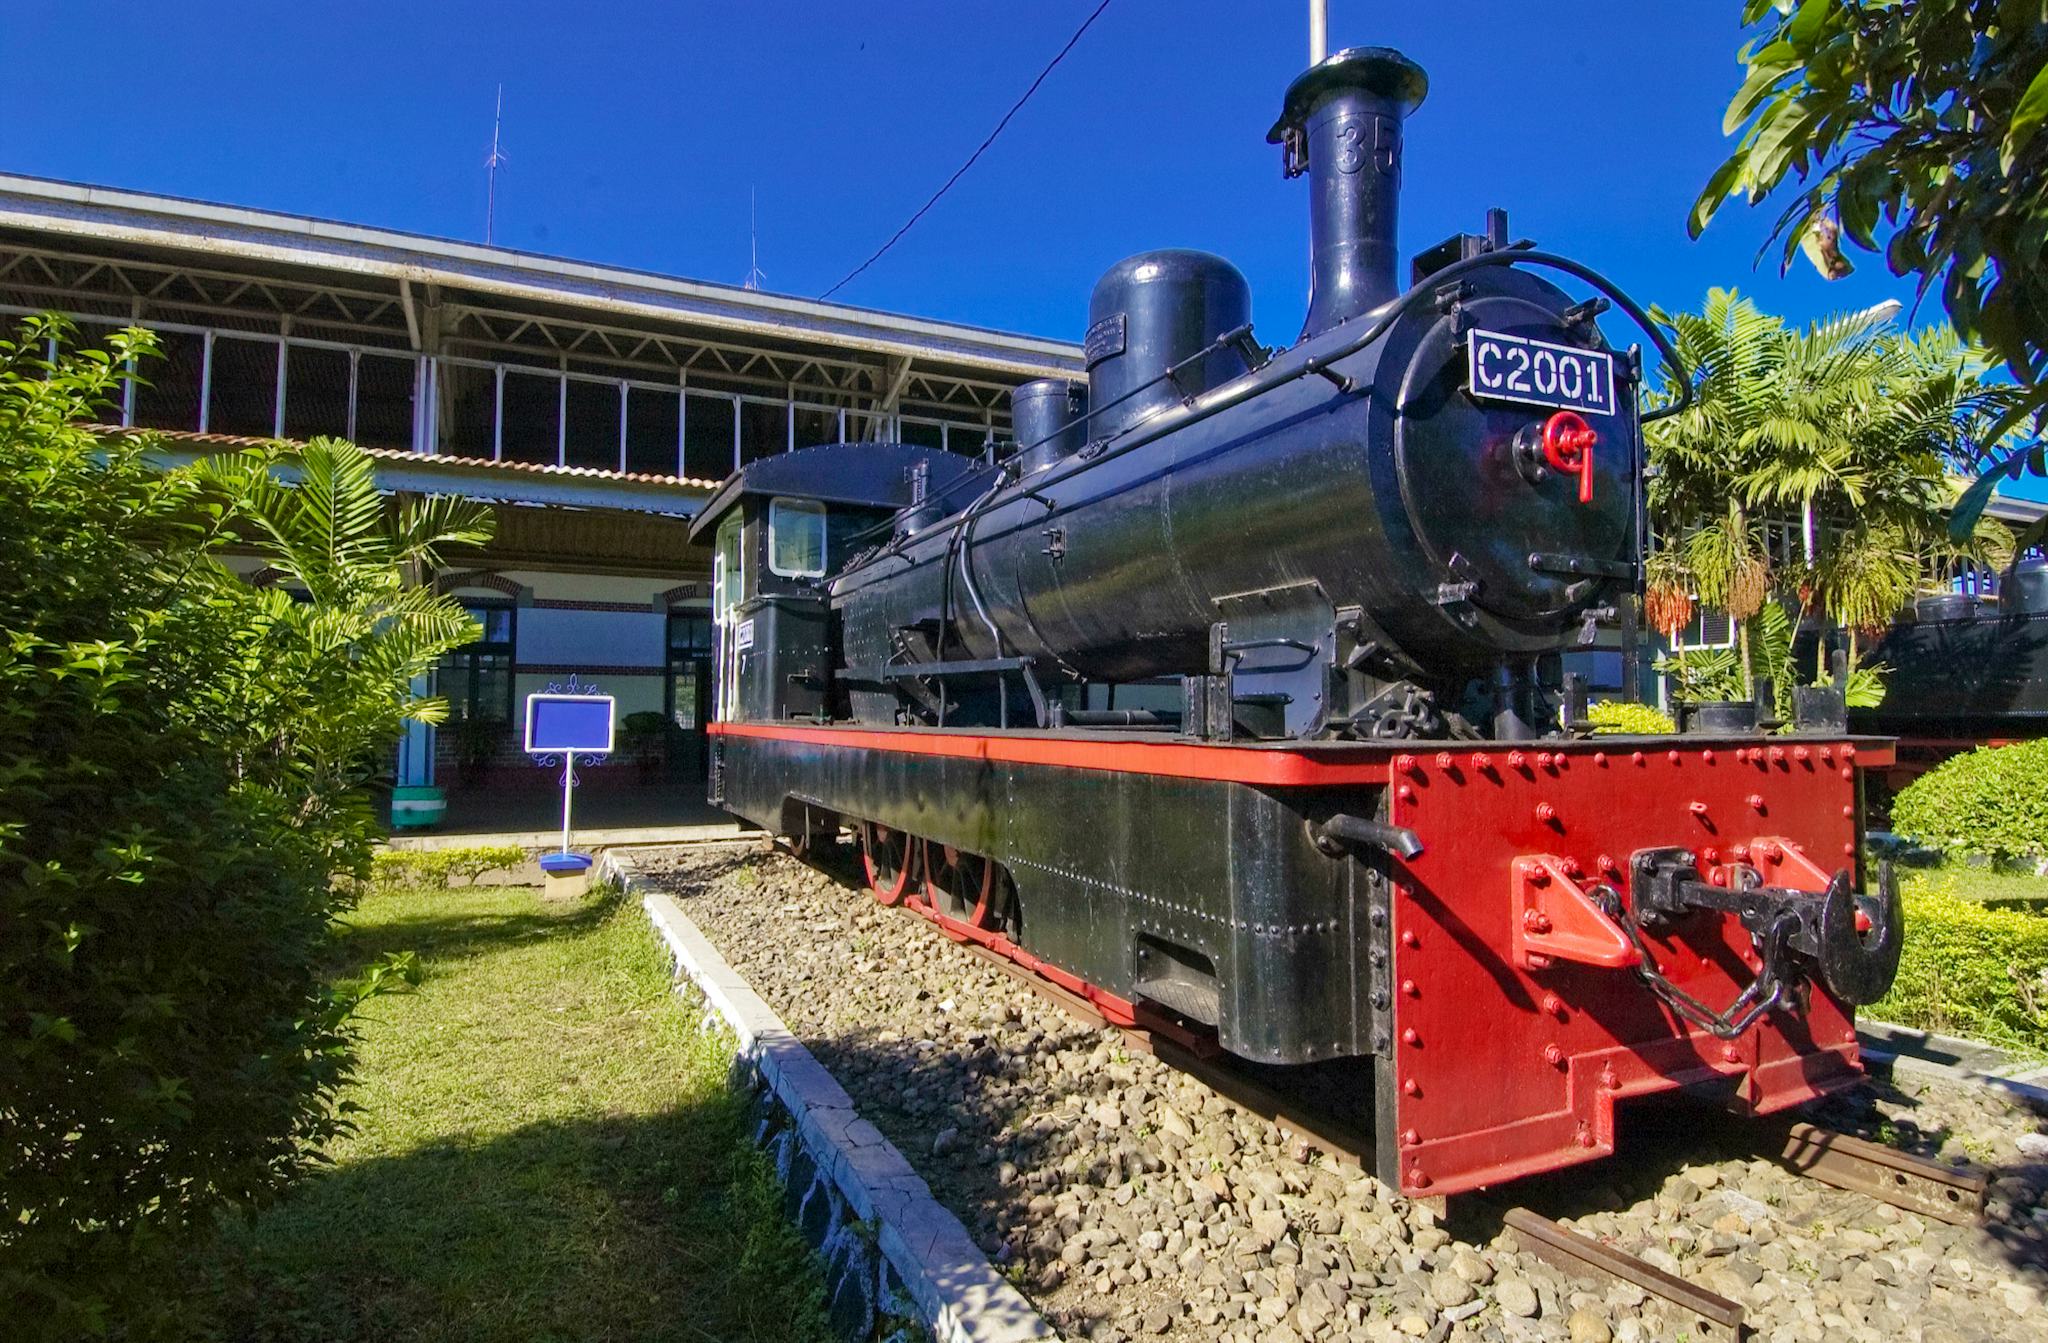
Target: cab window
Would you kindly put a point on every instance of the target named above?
(728, 578)
(796, 538)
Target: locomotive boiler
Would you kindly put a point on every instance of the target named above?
(1231, 695)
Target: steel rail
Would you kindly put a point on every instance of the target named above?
(1710, 1314)
(1952, 1194)
(1931, 1189)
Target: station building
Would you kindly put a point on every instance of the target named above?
(595, 408)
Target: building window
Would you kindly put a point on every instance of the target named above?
(796, 538)
(1709, 629)
(689, 669)
(468, 393)
(921, 433)
(591, 430)
(653, 430)
(243, 396)
(316, 391)
(966, 439)
(476, 679)
(1785, 543)
(709, 438)
(689, 634)
(531, 428)
(384, 400)
(167, 397)
(814, 425)
(764, 428)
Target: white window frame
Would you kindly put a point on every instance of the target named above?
(809, 508)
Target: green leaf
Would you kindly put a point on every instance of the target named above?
(2027, 117)
(1717, 190)
(1807, 21)
(1766, 68)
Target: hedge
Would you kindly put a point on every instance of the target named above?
(1992, 801)
(395, 868)
(1970, 970)
(1619, 718)
(185, 764)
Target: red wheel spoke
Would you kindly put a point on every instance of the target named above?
(888, 857)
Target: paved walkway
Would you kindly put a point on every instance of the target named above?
(531, 818)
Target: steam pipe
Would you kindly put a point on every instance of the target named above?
(1341, 124)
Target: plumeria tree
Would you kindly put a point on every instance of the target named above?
(1917, 130)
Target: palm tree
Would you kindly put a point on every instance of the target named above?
(315, 515)
(1705, 453)
(1847, 421)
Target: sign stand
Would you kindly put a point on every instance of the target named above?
(561, 724)
(568, 792)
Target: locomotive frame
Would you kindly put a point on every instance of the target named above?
(1346, 811)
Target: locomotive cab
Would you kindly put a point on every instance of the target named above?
(779, 528)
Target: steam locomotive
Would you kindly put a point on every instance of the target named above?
(1965, 673)
(1231, 697)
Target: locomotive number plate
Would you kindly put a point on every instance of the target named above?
(1539, 373)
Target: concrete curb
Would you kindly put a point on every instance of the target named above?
(858, 1187)
(1951, 1059)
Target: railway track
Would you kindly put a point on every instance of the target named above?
(999, 1105)
(1947, 1193)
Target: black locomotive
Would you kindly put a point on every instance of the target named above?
(1231, 695)
(1964, 673)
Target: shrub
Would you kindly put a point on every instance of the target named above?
(1970, 970)
(395, 868)
(182, 761)
(1992, 801)
(1619, 718)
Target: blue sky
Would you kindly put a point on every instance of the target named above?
(636, 129)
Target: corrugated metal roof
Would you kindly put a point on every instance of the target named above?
(413, 458)
(276, 238)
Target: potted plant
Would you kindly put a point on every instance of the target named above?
(641, 739)
(477, 741)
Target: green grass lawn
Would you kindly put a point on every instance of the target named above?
(547, 1151)
(1988, 886)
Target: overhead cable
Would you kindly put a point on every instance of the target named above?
(962, 170)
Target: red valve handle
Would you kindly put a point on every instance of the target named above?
(1568, 446)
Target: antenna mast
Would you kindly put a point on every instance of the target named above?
(754, 273)
(497, 157)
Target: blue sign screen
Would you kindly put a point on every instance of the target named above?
(562, 723)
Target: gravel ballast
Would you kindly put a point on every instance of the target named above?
(1129, 1201)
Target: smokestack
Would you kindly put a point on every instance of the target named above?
(1341, 124)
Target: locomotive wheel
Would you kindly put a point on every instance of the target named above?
(960, 883)
(889, 857)
(812, 845)
(1005, 914)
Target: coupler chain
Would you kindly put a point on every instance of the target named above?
(1848, 942)
(1768, 990)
